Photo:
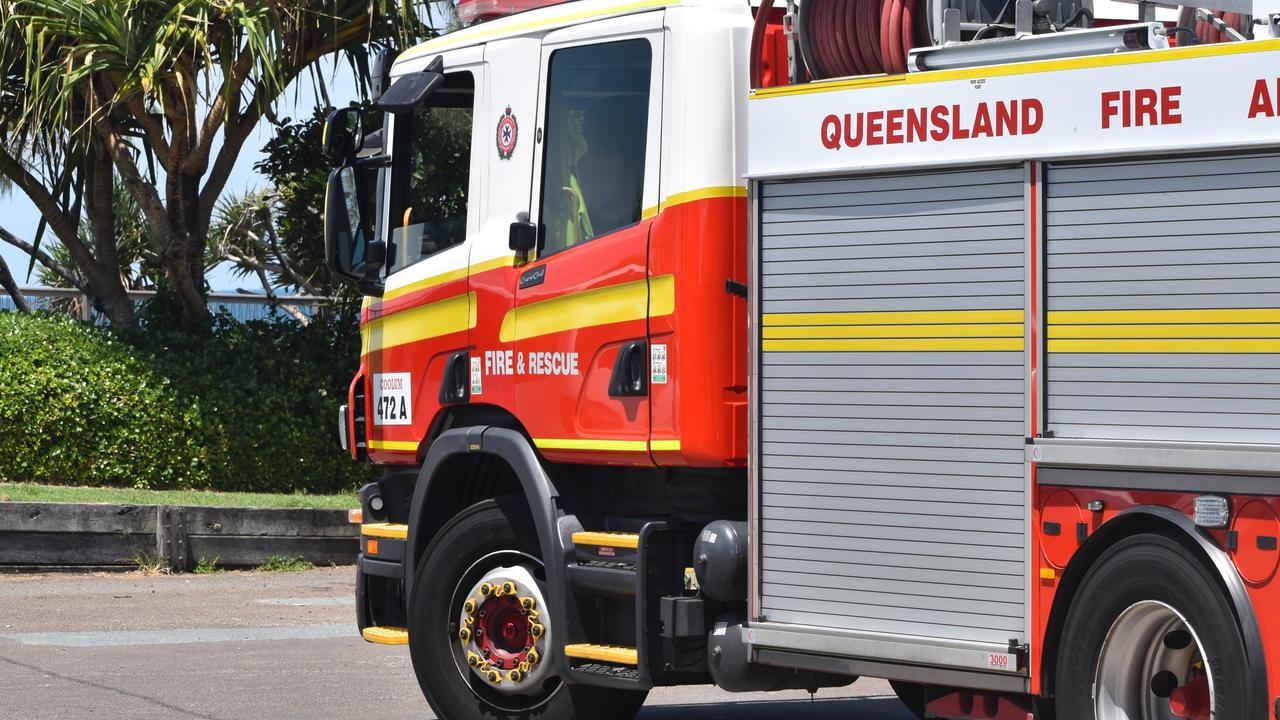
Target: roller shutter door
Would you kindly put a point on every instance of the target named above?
(891, 405)
(1164, 299)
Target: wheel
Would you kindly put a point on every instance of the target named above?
(911, 694)
(1150, 636)
(479, 635)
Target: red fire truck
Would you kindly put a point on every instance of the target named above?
(770, 347)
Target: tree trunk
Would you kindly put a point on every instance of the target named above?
(184, 262)
(11, 287)
(115, 303)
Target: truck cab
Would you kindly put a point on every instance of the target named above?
(620, 167)
(550, 230)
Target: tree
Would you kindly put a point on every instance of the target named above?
(160, 96)
(298, 176)
(6, 278)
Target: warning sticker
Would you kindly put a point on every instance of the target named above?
(477, 367)
(392, 399)
(658, 364)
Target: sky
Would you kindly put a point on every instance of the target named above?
(21, 218)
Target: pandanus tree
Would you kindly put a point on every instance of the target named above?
(159, 97)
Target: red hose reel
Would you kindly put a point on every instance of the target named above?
(861, 37)
(854, 37)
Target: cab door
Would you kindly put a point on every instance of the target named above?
(580, 318)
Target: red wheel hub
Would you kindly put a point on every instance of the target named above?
(503, 632)
(1191, 701)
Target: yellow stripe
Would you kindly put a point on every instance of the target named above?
(400, 445)
(707, 193)
(1165, 330)
(394, 531)
(450, 276)
(1201, 330)
(500, 28)
(607, 539)
(1165, 346)
(444, 317)
(811, 332)
(386, 635)
(920, 317)
(664, 445)
(637, 300)
(1026, 68)
(588, 444)
(1146, 317)
(894, 345)
(603, 653)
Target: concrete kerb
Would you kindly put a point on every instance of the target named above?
(40, 535)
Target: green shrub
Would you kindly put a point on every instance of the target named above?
(284, 563)
(242, 407)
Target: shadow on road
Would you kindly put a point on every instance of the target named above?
(820, 709)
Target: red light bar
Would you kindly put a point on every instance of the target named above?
(475, 11)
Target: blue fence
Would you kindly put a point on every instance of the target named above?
(244, 308)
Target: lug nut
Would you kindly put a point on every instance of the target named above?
(474, 660)
(464, 635)
(528, 603)
(493, 676)
(469, 606)
(536, 630)
(486, 589)
(533, 657)
(508, 588)
(515, 675)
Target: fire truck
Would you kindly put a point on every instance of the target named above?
(774, 346)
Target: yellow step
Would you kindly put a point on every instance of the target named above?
(607, 539)
(394, 531)
(615, 654)
(386, 635)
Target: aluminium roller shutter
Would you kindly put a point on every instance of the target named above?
(1163, 282)
(891, 405)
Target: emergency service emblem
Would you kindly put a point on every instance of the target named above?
(508, 131)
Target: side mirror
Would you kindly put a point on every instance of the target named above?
(350, 249)
(343, 135)
(524, 234)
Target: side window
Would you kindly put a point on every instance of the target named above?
(596, 128)
(431, 172)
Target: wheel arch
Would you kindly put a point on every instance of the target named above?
(510, 451)
(1180, 528)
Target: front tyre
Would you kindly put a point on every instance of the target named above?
(479, 634)
(1150, 636)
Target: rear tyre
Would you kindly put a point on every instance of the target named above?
(493, 540)
(911, 695)
(1150, 636)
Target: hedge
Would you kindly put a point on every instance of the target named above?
(238, 407)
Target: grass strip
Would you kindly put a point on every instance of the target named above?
(32, 492)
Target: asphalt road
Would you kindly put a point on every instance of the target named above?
(253, 645)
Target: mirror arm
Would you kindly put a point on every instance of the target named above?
(374, 161)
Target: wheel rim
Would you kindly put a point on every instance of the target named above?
(1152, 667)
(494, 609)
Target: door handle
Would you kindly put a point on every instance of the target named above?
(455, 386)
(630, 371)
